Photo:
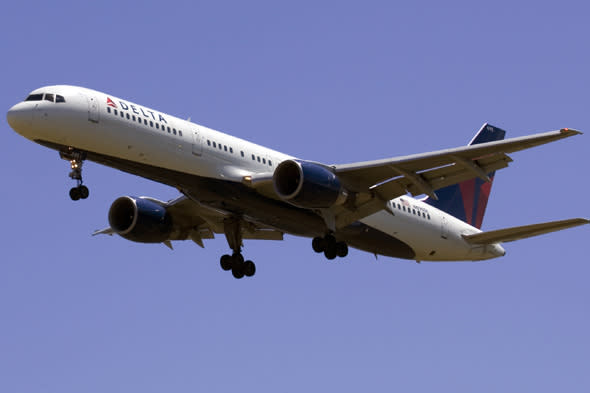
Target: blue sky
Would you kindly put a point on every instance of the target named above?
(330, 81)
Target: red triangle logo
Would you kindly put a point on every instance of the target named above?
(111, 103)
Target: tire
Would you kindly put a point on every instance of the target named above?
(318, 244)
(75, 193)
(330, 253)
(84, 192)
(341, 249)
(329, 242)
(226, 262)
(237, 271)
(237, 258)
(249, 268)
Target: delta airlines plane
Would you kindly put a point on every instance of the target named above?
(245, 191)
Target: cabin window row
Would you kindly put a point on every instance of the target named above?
(146, 122)
(230, 150)
(412, 211)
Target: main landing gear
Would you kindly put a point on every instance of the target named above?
(76, 159)
(235, 262)
(329, 246)
(239, 268)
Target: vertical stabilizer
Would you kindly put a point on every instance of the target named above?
(468, 200)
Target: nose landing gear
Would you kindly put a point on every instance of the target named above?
(76, 159)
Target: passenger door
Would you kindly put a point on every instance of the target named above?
(93, 112)
(197, 146)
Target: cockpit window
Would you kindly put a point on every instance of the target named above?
(49, 97)
(34, 97)
(59, 98)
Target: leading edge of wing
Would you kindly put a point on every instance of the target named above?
(362, 175)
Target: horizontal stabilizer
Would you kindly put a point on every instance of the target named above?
(523, 232)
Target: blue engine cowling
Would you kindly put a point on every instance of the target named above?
(307, 184)
(140, 220)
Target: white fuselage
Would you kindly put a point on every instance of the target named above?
(93, 121)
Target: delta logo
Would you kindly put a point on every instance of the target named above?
(138, 110)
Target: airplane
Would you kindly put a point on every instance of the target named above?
(422, 207)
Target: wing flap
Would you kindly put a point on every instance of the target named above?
(358, 177)
(523, 232)
(440, 177)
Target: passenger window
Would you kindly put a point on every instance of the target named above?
(122, 114)
(169, 130)
(127, 116)
(253, 157)
(174, 131)
(208, 142)
(231, 150)
(269, 163)
(225, 147)
(264, 160)
(214, 144)
(108, 109)
(242, 153)
(157, 126)
(49, 97)
(115, 112)
(59, 98)
(258, 158)
(179, 133)
(34, 97)
(145, 122)
(151, 124)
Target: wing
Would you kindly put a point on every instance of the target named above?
(196, 222)
(376, 182)
(523, 232)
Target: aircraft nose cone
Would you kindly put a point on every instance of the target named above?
(19, 117)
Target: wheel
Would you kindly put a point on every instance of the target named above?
(249, 268)
(318, 244)
(341, 249)
(75, 193)
(330, 253)
(237, 258)
(237, 271)
(84, 192)
(226, 262)
(329, 241)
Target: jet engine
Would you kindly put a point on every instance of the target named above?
(307, 184)
(140, 220)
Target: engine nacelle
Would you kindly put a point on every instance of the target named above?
(140, 220)
(309, 185)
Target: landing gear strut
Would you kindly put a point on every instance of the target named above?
(235, 262)
(76, 159)
(329, 246)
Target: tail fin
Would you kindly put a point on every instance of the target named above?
(468, 200)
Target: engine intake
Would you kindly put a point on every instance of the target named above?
(307, 184)
(140, 220)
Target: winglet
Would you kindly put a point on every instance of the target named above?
(570, 131)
